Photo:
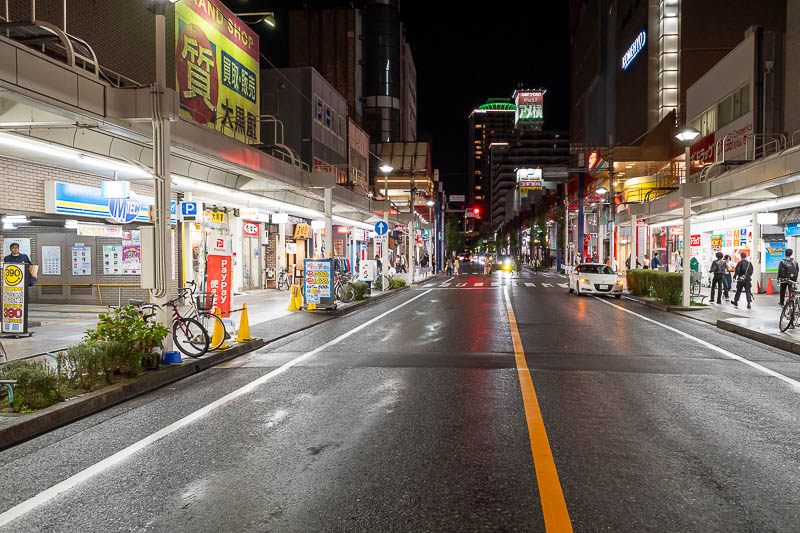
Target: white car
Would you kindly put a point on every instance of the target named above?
(595, 278)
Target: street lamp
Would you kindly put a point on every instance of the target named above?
(267, 17)
(602, 190)
(686, 136)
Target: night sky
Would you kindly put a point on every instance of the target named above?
(463, 56)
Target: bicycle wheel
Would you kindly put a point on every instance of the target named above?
(348, 293)
(209, 322)
(283, 284)
(190, 337)
(787, 316)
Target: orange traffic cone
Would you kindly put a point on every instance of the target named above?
(769, 286)
(244, 326)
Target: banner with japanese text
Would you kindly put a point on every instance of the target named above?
(217, 69)
(219, 273)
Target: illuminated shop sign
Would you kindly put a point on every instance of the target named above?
(634, 49)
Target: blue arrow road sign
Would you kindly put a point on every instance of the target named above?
(381, 227)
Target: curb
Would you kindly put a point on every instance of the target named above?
(66, 412)
(786, 345)
(662, 307)
(63, 413)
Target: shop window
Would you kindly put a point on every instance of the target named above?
(741, 101)
(725, 111)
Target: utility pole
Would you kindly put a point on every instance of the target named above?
(412, 239)
(612, 204)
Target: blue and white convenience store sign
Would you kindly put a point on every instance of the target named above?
(83, 201)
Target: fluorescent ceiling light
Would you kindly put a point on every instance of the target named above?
(386, 168)
(602, 190)
(44, 148)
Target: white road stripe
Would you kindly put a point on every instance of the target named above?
(461, 284)
(529, 284)
(563, 285)
(444, 285)
(450, 278)
(793, 383)
(45, 496)
(479, 284)
(495, 284)
(546, 285)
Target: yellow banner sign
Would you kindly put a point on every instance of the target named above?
(217, 68)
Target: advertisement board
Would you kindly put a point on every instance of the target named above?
(529, 107)
(734, 138)
(219, 272)
(71, 199)
(318, 286)
(529, 179)
(15, 312)
(217, 69)
(776, 251)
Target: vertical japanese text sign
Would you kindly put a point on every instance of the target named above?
(219, 272)
(217, 68)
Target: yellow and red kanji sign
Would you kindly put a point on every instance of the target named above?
(217, 69)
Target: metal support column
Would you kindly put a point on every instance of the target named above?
(581, 218)
(328, 223)
(755, 251)
(687, 249)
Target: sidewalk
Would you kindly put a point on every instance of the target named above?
(759, 323)
(64, 325)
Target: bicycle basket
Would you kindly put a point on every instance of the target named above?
(205, 301)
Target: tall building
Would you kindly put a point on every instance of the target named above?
(362, 51)
(546, 150)
(490, 123)
(633, 61)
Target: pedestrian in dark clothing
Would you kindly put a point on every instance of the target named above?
(726, 279)
(718, 269)
(743, 275)
(787, 270)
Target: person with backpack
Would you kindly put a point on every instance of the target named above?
(743, 275)
(718, 269)
(787, 270)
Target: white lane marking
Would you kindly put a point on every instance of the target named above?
(461, 284)
(495, 284)
(479, 284)
(563, 285)
(69, 483)
(450, 279)
(546, 285)
(444, 285)
(529, 284)
(794, 384)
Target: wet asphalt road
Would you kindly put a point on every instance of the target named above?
(416, 422)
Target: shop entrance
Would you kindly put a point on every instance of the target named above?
(251, 271)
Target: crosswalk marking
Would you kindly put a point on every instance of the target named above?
(528, 284)
(495, 284)
(563, 285)
(479, 284)
(445, 285)
(461, 284)
(546, 285)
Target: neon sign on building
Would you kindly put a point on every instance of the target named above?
(634, 49)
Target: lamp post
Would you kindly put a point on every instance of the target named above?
(686, 135)
(386, 169)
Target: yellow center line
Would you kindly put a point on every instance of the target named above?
(554, 508)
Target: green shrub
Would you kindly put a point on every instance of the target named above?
(133, 339)
(665, 286)
(398, 283)
(361, 290)
(83, 367)
(38, 385)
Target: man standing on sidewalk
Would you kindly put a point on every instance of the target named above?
(742, 275)
(787, 270)
(718, 269)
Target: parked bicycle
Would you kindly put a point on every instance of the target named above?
(284, 282)
(378, 283)
(343, 289)
(202, 303)
(188, 334)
